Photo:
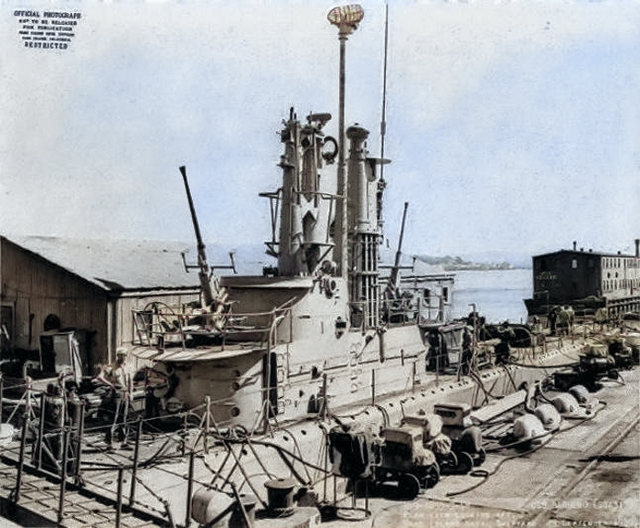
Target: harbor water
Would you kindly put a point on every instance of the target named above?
(497, 294)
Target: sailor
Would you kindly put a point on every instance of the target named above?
(503, 348)
(438, 353)
(467, 351)
(553, 315)
(118, 378)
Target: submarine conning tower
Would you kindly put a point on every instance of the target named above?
(304, 212)
(306, 200)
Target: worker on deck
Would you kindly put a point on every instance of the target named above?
(467, 351)
(118, 377)
(438, 358)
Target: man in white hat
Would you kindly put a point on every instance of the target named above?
(118, 377)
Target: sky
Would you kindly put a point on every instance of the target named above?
(513, 126)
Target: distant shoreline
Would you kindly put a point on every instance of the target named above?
(484, 267)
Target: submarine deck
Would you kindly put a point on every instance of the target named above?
(582, 476)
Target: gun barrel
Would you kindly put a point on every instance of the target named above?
(202, 254)
(393, 279)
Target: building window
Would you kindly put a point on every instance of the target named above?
(574, 264)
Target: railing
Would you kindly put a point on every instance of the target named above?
(160, 325)
(72, 453)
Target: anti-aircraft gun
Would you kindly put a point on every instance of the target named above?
(202, 322)
(213, 295)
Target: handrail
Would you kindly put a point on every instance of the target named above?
(160, 322)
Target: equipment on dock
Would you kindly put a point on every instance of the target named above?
(594, 365)
(397, 455)
(406, 461)
(466, 438)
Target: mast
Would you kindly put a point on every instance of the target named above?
(383, 118)
(346, 18)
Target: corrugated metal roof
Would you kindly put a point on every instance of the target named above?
(116, 265)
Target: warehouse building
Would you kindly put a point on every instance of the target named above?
(586, 280)
(54, 289)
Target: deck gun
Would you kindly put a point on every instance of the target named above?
(392, 283)
(205, 271)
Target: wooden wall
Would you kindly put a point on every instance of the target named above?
(36, 288)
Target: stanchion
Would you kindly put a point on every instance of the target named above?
(41, 431)
(324, 396)
(207, 424)
(373, 387)
(63, 474)
(187, 516)
(119, 497)
(23, 445)
(77, 474)
(134, 471)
